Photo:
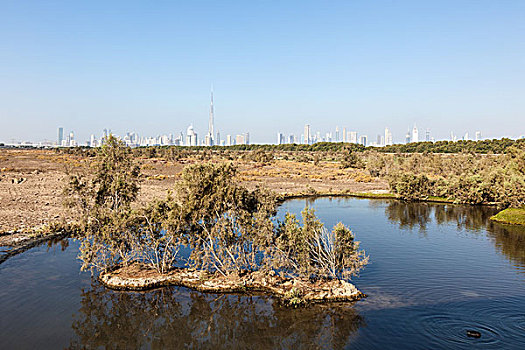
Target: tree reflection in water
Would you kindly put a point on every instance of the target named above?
(508, 239)
(177, 317)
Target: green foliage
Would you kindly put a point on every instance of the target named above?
(226, 225)
(463, 178)
(514, 216)
(229, 228)
(103, 205)
(259, 156)
(311, 251)
(294, 298)
(411, 187)
(485, 146)
(351, 160)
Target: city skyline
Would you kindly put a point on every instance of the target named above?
(131, 66)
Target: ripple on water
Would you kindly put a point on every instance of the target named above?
(501, 323)
(452, 328)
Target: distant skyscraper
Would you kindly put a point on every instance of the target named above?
(380, 141)
(352, 137)
(408, 137)
(247, 138)
(307, 136)
(280, 138)
(228, 140)
(466, 136)
(191, 137)
(427, 135)
(363, 140)
(60, 137)
(292, 139)
(336, 134)
(478, 135)
(239, 140)
(210, 123)
(415, 134)
(344, 135)
(388, 137)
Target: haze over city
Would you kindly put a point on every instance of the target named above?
(133, 67)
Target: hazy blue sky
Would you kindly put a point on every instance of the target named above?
(147, 66)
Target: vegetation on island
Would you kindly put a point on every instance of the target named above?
(231, 230)
(514, 216)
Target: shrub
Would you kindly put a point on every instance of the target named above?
(312, 251)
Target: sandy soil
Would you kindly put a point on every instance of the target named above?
(31, 183)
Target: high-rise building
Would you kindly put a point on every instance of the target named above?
(60, 137)
(246, 138)
(210, 135)
(239, 140)
(478, 135)
(363, 140)
(229, 140)
(427, 135)
(336, 134)
(415, 134)
(307, 136)
(352, 137)
(408, 138)
(292, 139)
(344, 135)
(191, 137)
(388, 137)
(466, 136)
(280, 138)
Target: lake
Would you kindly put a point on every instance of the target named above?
(435, 272)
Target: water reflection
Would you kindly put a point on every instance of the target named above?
(509, 240)
(177, 317)
(408, 215)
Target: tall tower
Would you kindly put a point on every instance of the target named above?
(60, 136)
(415, 134)
(210, 123)
(307, 136)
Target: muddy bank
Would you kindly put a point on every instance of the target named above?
(141, 277)
(19, 243)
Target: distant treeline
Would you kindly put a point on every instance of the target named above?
(494, 146)
(485, 146)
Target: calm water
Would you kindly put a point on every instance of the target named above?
(436, 271)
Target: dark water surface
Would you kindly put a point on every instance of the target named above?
(436, 271)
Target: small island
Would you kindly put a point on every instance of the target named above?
(511, 216)
(143, 277)
(209, 234)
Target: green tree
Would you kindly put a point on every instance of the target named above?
(103, 205)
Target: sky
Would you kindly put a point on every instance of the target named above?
(148, 67)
